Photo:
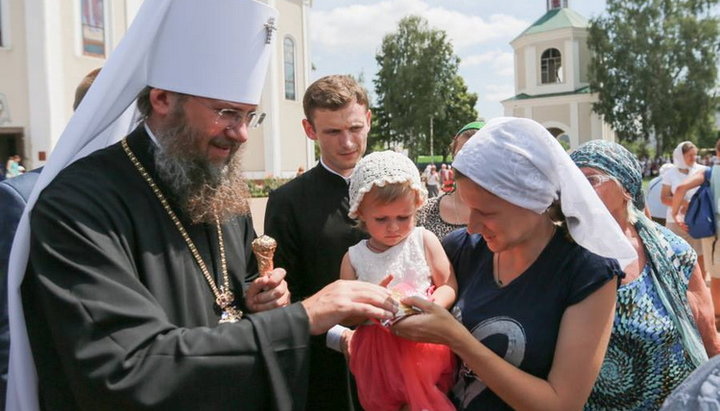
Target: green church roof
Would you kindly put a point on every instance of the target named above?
(556, 19)
(525, 96)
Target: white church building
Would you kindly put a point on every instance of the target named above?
(47, 47)
(551, 77)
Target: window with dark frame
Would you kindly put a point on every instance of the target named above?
(289, 64)
(551, 66)
(93, 27)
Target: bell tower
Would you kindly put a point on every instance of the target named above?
(551, 77)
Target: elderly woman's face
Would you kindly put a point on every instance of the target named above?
(502, 224)
(607, 188)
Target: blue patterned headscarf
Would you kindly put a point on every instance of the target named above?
(618, 162)
(615, 161)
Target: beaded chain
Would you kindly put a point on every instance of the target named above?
(224, 296)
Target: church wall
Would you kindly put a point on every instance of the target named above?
(279, 146)
(538, 87)
(42, 65)
(585, 55)
(76, 64)
(585, 132)
(13, 60)
(556, 112)
(293, 140)
(520, 83)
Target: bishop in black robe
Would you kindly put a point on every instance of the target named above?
(120, 316)
(308, 218)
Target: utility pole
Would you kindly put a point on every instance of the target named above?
(432, 154)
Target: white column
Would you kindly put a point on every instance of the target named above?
(574, 126)
(46, 83)
(272, 129)
(531, 70)
(309, 144)
(595, 126)
(571, 61)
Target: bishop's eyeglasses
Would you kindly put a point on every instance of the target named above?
(229, 118)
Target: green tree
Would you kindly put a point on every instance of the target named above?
(417, 81)
(654, 68)
(459, 111)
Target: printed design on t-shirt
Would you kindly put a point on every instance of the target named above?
(469, 385)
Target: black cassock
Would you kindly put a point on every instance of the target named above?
(308, 218)
(120, 316)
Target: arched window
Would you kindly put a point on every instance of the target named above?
(289, 63)
(551, 66)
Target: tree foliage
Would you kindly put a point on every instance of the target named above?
(418, 81)
(654, 67)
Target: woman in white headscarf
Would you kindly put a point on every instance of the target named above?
(684, 165)
(537, 274)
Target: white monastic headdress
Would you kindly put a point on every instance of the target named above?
(218, 49)
(381, 168)
(518, 160)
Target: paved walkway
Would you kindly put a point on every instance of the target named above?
(257, 208)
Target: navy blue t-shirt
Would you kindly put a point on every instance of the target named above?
(519, 322)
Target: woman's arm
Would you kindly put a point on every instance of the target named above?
(443, 276)
(666, 195)
(579, 352)
(701, 306)
(691, 182)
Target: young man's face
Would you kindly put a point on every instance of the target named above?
(341, 134)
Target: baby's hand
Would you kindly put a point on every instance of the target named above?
(400, 292)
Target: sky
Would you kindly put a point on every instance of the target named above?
(345, 35)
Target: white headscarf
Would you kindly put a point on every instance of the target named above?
(519, 161)
(679, 158)
(217, 49)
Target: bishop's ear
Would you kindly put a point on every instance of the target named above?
(161, 101)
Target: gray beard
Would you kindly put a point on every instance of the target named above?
(207, 192)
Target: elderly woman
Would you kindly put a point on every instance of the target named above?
(536, 299)
(664, 325)
(446, 213)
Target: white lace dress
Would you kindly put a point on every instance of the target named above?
(405, 261)
(391, 371)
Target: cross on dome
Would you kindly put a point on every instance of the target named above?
(556, 4)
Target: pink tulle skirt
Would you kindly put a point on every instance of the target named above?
(391, 371)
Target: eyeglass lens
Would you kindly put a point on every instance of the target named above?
(597, 179)
(231, 118)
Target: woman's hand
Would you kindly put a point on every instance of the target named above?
(434, 324)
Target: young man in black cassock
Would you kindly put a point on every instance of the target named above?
(143, 290)
(309, 218)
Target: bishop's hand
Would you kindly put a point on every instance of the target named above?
(268, 292)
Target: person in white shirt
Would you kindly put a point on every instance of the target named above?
(653, 200)
(684, 165)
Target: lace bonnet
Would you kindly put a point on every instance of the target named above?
(381, 168)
